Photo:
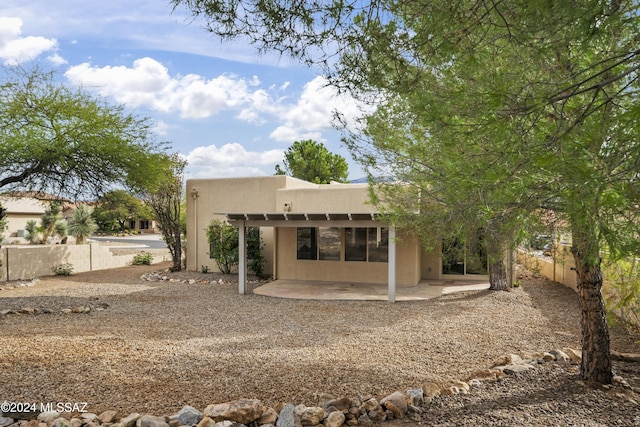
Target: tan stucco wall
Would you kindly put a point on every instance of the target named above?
(247, 195)
(291, 268)
(334, 198)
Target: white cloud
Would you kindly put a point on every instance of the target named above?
(56, 59)
(16, 50)
(148, 83)
(314, 112)
(231, 160)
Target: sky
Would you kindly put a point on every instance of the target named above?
(227, 110)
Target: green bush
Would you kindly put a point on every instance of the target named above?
(63, 270)
(223, 247)
(143, 258)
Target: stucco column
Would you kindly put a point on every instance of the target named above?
(242, 258)
(392, 263)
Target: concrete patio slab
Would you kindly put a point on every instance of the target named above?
(297, 289)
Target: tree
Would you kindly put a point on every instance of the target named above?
(82, 224)
(223, 244)
(65, 141)
(51, 216)
(546, 92)
(164, 197)
(311, 161)
(116, 207)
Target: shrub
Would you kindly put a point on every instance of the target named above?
(63, 270)
(223, 247)
(143, 258)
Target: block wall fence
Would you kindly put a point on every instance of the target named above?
(30, 261)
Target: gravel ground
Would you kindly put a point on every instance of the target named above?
(160, 345)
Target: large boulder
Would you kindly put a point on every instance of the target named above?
(243, 411)
(288, 417)
(151, 421)
(396, 402)
(187, 416)
(309, 415)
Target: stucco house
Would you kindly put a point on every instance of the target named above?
(21, 207)
(317, 232)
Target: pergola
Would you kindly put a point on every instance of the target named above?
(288, 219)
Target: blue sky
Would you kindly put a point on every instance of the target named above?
(227, 110)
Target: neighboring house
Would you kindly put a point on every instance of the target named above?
(143, 225)
(22, 207)
(319, 232)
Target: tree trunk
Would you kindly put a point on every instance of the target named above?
(596, 356)
(498, 275)
(495, 255)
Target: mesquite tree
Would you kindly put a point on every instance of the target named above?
(164, 197)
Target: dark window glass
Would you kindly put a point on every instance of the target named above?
(355, 245)
(378, 244)
(452, 257)
(329, 243)
(307, 246)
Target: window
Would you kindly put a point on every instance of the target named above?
(355, 245)
(360, 244)
(329, 243)
(132, 224)
(306, 243)
(378, 244)
(460, 259)
(144, 224)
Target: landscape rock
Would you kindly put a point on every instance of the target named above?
(431, 390)
(130, 420)
(335, 419)
(243, 411)
(396, 402)
(417, 396)
(309, 415)
(516, 369)
(108, 416)
(509, 359)
(60, 422)
(206, 422)
(151, 421)
(75, 422)
(560, 355)
(270, 416)
(369, 405)
(365, 421)
(574, 355)
(187, 416)
(340, 404)
(5, 421)
(288, 417)
(27, 310)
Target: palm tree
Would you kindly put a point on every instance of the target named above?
(82, 224)
(33, 231)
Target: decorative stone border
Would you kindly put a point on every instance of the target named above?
(330, 412)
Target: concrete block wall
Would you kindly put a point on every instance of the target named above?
(30, 261)
(560, 268)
